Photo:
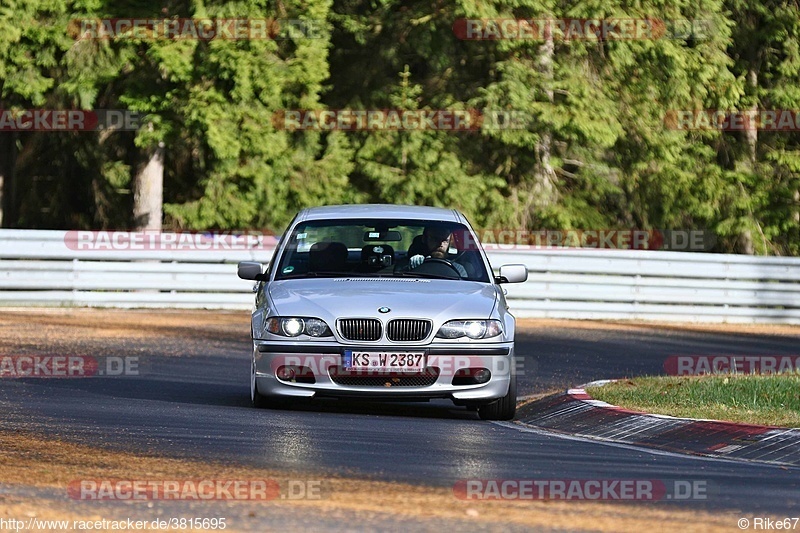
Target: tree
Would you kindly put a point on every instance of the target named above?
(31, 46)
(252, 173)
(763, 168)
(422, 166)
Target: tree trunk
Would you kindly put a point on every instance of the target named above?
(148, 191)
(745, 243)
(751, 132)
(545, 177)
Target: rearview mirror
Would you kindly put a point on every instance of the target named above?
(512, 274)
(250, 270)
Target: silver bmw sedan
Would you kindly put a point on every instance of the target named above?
(383, 302)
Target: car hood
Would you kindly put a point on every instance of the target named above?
(332, 298)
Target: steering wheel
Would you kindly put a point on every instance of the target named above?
(433, 261)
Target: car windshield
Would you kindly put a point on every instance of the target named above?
(378, 247)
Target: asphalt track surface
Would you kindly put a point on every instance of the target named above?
(191, 401)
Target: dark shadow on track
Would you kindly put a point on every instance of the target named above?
(225, 395)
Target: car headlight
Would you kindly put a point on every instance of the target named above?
(474, 329)
(296, 326)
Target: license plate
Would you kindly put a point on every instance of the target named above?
(400, 361)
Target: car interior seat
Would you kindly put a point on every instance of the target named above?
(327, 257)
(417, 246)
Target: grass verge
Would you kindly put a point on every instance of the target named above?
(770, 400)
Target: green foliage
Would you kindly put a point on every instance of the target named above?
(596, 149)
(423, 167)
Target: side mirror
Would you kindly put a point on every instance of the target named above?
(512, 274)
(250, 270)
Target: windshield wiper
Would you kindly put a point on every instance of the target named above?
(411, 274)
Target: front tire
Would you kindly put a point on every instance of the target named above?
(258, 400)
(503, 409)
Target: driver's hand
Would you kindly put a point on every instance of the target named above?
(416, 261)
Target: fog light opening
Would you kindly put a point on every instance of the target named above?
(295, 374)
(286, 373)
(472, 376)
(482, 375)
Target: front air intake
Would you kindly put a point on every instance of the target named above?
(408, 329)
(360, 329)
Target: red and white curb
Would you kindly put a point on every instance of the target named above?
(575, 412)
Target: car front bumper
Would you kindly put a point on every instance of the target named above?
(445, 362)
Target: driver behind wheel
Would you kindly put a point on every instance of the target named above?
(434, 243)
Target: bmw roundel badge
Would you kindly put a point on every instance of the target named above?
(383, 309)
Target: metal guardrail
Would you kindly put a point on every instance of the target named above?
(46, 268)
(633, 284)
